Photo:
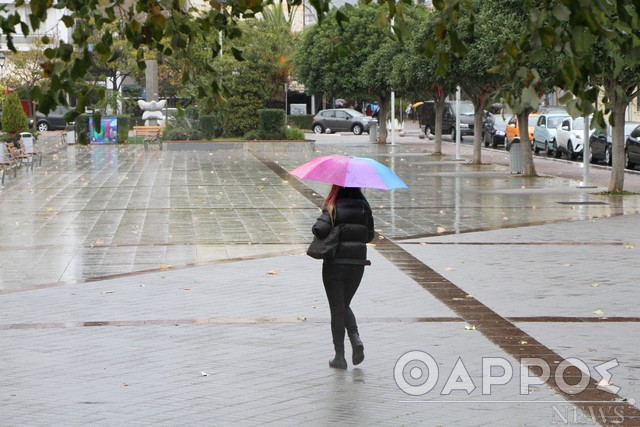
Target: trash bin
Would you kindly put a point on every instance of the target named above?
(373, 131)
(71, 133)
(515, 157)
(28, 140)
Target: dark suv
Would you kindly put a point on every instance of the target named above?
(427, 117)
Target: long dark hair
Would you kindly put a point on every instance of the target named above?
(339, 192)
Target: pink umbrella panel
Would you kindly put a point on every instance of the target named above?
(349, 171)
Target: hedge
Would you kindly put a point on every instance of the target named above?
(271, 123)
(302, 121)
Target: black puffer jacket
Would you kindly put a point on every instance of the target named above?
(357, 230)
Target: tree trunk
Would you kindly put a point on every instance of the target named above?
(439, 108)
(382, 119)
(477, 133)
(528, 168)
(616, 184)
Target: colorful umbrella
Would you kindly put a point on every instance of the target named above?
(348, 171)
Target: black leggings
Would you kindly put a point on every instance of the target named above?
(341, 282)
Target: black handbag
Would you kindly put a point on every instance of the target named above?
(325, 248)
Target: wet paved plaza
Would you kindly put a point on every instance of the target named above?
(93, 212)
(171, 288)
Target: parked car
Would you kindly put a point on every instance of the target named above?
(570, 138)
(427, 118)
(494, 130)
(513, 130)
(544, 134)
(52, 121)
(632, 149)
(600, 142)
(600, 145)
(341, 120)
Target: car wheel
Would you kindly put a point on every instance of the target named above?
(557, 153)
(43, 126)
(536, 149)
(607, 156)
(318, 128)
(486, 141)
(494, 143)
(592, 158)
(572, 153)
(549, 146)
(453, 134)
(628, 164)
(357, 130)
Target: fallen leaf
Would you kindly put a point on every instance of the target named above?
(470, 327)
(450, 269)
(594, 285)
(469, 296)
(629, 247)
(164, 267)
(186, 289)
(524, 342)
(273, 272)
(108, 292)
(598, 312)
(440, 229)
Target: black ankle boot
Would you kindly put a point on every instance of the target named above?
(358, 348)
(338, 362)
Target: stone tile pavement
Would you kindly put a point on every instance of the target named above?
(171, 288)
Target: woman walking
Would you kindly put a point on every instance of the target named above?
(342, 275)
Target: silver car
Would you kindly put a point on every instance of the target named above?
(341, 120)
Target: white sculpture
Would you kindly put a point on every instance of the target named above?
(152, 111)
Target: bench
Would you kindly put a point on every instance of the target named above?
(151, 134)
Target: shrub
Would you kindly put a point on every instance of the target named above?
(293, 134)
(124, 124)
(252, 135)
(300, 121)
(182, 134)
(211, 126)
(14, 120)
(82, 129)
(271, 123)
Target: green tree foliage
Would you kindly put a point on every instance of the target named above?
(14, 120)
(350, 56)
(417, 73)
(600, 47)
(255, 82)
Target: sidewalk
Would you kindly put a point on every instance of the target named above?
(171, 288)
